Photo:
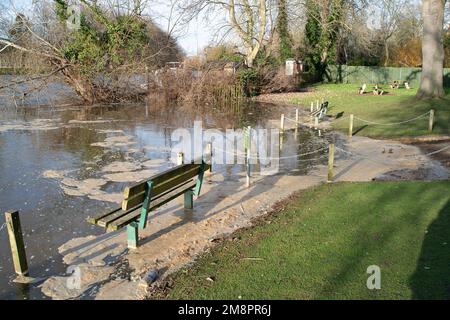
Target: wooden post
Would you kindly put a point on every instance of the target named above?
(282, 124)
(312, 107)
(16, 243)
(147, 74)
(209, 156)
(350, 129)
(248, 168)
(189, 200)
(133, 235)
(331, 163)
(249, 137)
(316, 122)
(297, 117)
(317, 106)
(180, 159)
(431, 123)
(249, 152)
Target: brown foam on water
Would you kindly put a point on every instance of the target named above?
(33, 125)
(121, 167)
(115, 142)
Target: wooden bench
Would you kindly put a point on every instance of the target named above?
(378, 91)
(148, 195)
(362, 90)
(395, 85)
(322, 111)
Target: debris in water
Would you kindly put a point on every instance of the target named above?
(121, 167)
(151, 277)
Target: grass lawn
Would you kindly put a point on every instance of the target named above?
(397, 106)
(320, 246)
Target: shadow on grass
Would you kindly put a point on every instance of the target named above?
(360, 129)
(340, 115)
(431, 280)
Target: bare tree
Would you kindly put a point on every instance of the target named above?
(391, 13)
(432, 82)
(247, 18)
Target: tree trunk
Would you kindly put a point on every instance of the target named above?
(83, 88)
(249, 60)
(432, 85)
(252, 52)
(386, 54)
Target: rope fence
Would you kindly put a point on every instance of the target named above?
(394, 123)
(242, 156)
(318, 113)
(353, 154)
(247, 155)
(431, 153)
(373, 122)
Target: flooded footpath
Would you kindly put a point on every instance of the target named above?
(59, 166)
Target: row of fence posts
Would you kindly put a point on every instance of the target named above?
(314, 107)
(331, 150)
(351, 130)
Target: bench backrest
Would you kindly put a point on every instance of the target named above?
(135, 195)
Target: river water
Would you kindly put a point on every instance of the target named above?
(59, 165)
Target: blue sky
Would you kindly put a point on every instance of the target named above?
(196, 35)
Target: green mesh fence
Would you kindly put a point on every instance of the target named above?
(380, 75)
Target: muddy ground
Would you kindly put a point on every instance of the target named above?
(432, 145)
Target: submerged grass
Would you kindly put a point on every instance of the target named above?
(320, 246)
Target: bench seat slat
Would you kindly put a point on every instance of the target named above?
(127, 204)
(160, 178)
(115, 215)
(154, 204)
(103, 222)
(94, 220)
(160, 188)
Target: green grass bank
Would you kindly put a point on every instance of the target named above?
(321, 244)
(394, 107)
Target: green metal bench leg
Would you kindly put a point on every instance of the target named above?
(189, 200)
(133, 235)
(146, 205)
(201, 174)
